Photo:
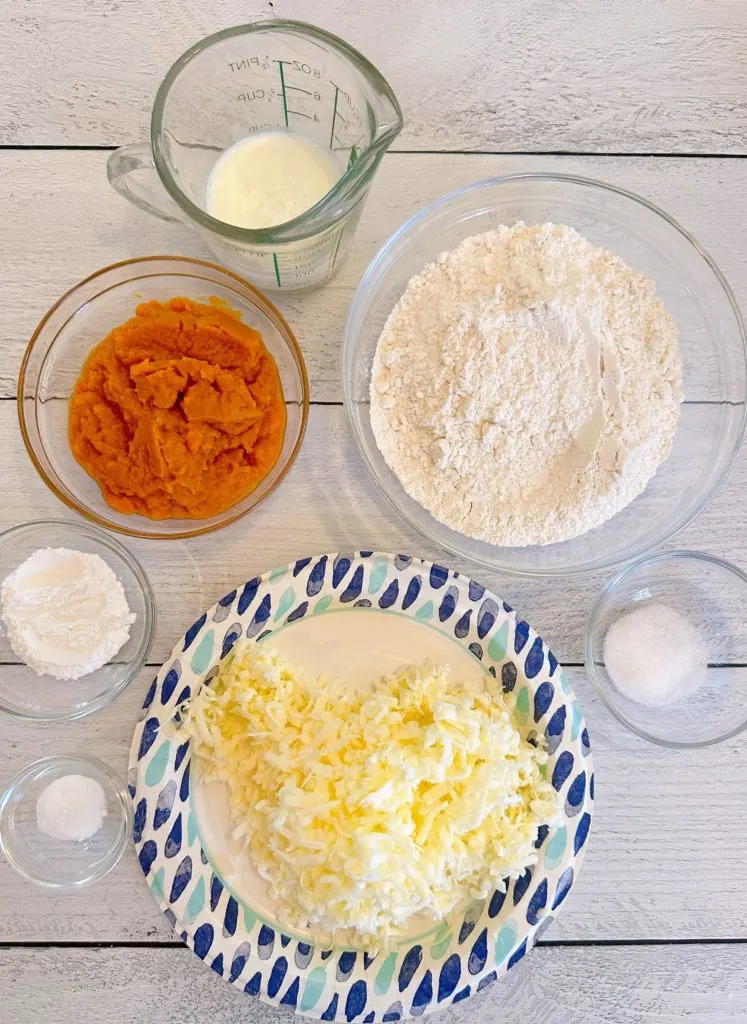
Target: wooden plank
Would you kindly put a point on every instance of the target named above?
(328, 503)
(47, 244)
(652, 870)
(631, 77)
(612, 985)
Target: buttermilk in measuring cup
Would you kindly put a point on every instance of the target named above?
(268, 179)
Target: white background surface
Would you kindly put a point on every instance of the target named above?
(649, 94)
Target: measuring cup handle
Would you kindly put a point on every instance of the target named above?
(132, 172)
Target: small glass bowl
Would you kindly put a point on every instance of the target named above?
(82, 318)
(25, 694)
(710, 593)
(56, 863)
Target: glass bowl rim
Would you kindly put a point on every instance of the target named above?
(149, 626)
(363, 294)
(124, 802)
(261, 301)
(592, 621)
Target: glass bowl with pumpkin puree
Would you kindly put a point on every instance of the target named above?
(163, 397)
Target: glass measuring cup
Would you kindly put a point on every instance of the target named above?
(271, 75)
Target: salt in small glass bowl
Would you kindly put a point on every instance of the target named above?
(57, 863)
(25, 694)
(712, 595)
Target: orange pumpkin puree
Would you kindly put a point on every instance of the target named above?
(179, 412)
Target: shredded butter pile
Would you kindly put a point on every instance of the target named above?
(363, 806)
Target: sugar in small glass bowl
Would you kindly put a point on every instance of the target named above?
(710, 594)
(63, 863)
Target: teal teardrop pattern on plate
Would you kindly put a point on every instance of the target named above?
(203, 656)
(341, 984)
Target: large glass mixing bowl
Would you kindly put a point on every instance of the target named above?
(693, 289)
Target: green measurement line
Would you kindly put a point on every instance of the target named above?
(277, 269)
(334, 116)
(285, 104)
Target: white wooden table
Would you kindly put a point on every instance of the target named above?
(649, 94)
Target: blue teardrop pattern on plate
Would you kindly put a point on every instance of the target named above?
(521, 884)
(304, 954)
(448, 604)
(487, 980)
(464, 993)
(148, 737)
(340, 568)
(537, 903)
(285, 940)
(231, 917)
(181, 750)
(370, 1017)
(410, 964)
(471, 917)
(423, 995)
(260, 617)
(486, 617)
(561, 771)
(585, 743)
(277, 976)
(222, 611)
(354, 587)
(518, 955)
(462, 627)
(300, 565)
(331, 1012)
(193, 630)
(181, 880)
(479, 953)
(508, 677)
(575, 796)
(591, 786)
(448, 979)
(315, 580)
(355, 1003)
(542, 700)
(552, 661)
(402, 561)
(326, 954)
(248, 593)
(291, 996)
(496, 903)
(203, 939)
(368, 958)
(184, 786)
(411, 594)
(150, 695)
(581, 832)
(164, 804)
(345, 965)
(265, 942)
(555, 729)
(240, 958)
(232, 635)
(438, 576)
(521, 635)
(476, 649)
(476, 590)
(362, 603)
(216, 891)
(298, 613)
(138, 820)
(173, 843)
(542, 833)
(390, 595)
(147, 855)
(394, 1012)
(534, 660)
(563, 887)
(217, 965)
(254, 984)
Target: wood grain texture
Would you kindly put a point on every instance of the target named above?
(654, 868)
(497, 76)
(630, 985)
(62, 221)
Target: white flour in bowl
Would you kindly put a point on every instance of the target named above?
(526, 386)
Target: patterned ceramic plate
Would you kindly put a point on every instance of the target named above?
(366, 614)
